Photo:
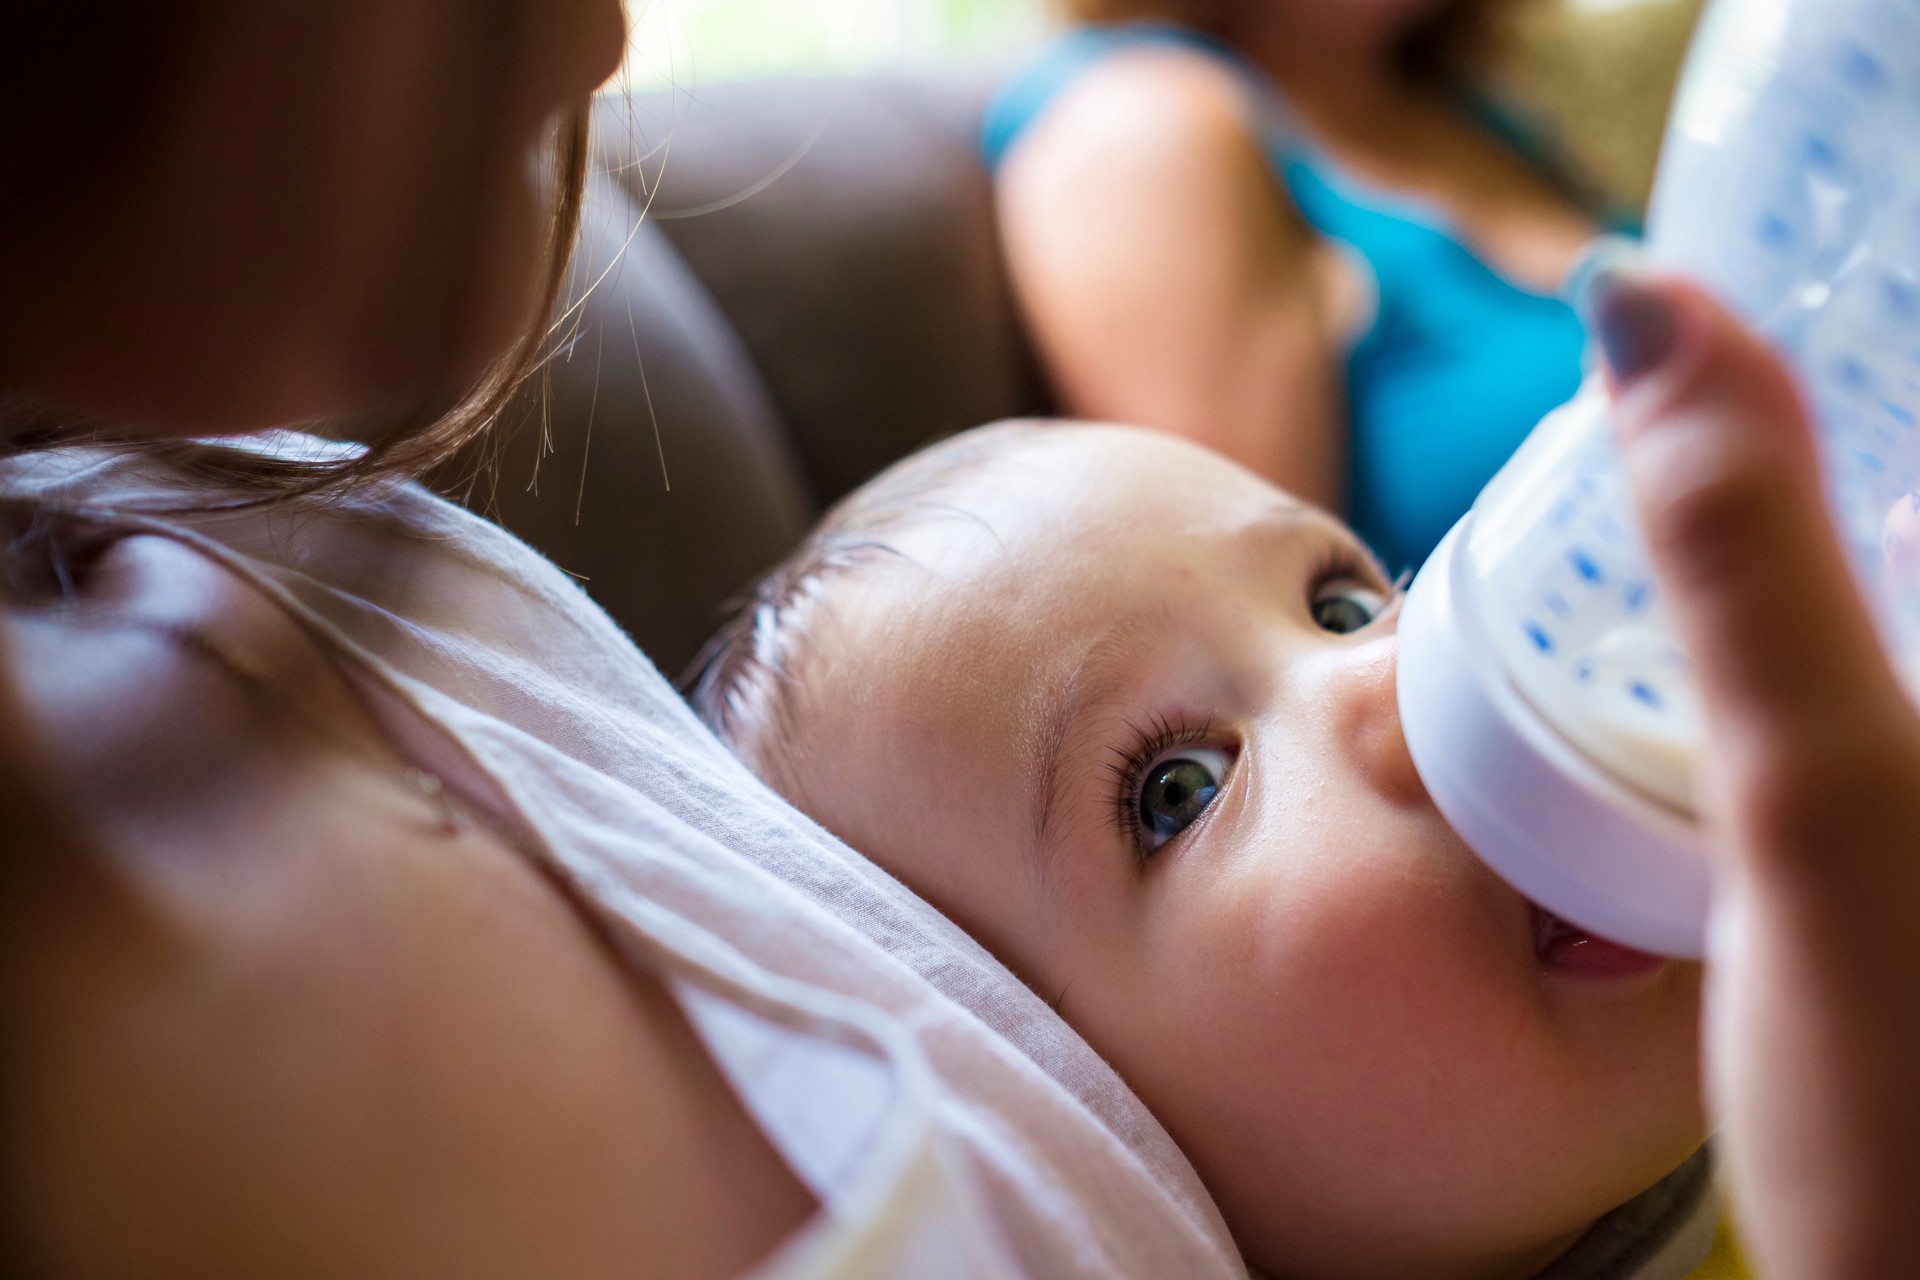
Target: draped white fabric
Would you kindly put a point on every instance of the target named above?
(950, 1123)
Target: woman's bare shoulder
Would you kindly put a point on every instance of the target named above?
(1148, 171)
(283, 1001)
(1142, 119)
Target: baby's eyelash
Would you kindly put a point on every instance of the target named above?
(1146, 743)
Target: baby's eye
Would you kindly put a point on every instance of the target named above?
(1344, 606)
(1176, 791)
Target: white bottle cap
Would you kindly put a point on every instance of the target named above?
(1553, 825)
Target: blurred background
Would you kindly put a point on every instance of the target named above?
(790, 271)
(1592, 75)
(689, 42)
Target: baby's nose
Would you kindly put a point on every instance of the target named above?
(1369, 712)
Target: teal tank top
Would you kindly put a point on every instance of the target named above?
(1459, 362)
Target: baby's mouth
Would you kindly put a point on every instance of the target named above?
(1567, 948)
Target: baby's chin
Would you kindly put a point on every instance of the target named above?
(1540, 1203)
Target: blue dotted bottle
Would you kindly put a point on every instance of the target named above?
(1546, 701)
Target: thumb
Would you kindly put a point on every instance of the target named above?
(1720, 455)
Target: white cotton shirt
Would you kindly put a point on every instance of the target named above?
(949, 1123)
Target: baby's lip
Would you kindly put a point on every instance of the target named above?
(1560, 946)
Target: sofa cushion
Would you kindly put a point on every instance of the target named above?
(846, 229)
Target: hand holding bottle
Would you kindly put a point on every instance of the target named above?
(1809, 790)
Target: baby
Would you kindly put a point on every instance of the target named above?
(1125, 712)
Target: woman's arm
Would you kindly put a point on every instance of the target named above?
(1166, 277)
(1812, 787)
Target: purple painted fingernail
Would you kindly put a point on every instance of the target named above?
(1634, 325)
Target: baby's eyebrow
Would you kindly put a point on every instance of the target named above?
(1066, 707)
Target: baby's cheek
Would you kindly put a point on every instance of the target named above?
(1355, 975)
(1302, 1033)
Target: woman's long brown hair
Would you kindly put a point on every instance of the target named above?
(416, 444)
(426, 439)
(77, 84)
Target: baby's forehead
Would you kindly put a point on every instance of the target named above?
(997, 607)
(1070, 485)
(1044, 537)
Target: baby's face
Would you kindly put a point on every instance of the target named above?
(1127, 715)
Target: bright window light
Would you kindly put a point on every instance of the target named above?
(686, 43)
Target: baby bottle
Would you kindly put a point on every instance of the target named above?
(1545, 699)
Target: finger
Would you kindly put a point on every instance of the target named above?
(1726, 478)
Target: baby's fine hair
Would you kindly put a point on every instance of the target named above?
(747, 684)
